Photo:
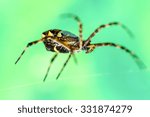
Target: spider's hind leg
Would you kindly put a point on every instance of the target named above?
(28, 45)
(138, 61)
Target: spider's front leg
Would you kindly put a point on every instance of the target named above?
(90, 48)
(98, 29)
(139, 62)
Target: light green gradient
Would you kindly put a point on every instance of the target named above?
(107, 73)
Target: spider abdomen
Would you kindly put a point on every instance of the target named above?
(51, 46)
(60, 41)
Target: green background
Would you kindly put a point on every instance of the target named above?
(107, 73)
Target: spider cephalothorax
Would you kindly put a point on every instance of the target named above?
(60, 41)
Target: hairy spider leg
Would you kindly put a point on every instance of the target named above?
(80, 27)
(53, 58)
(134, 56)
(63, 66)
(28, 45)
(107, 25)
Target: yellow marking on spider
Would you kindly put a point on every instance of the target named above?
(59, 34)
(55, 49)
(50, 34)
(43, 36)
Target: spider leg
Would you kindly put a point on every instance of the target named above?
(134, 56)
(107, 25)
(53, 58)
(28, 45)
(80, 27)
(75, 59)
(63, 66)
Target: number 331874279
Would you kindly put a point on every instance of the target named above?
(106, 109)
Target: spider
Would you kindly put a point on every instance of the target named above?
(60, 41)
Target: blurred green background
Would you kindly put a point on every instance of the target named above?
(107, 73)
